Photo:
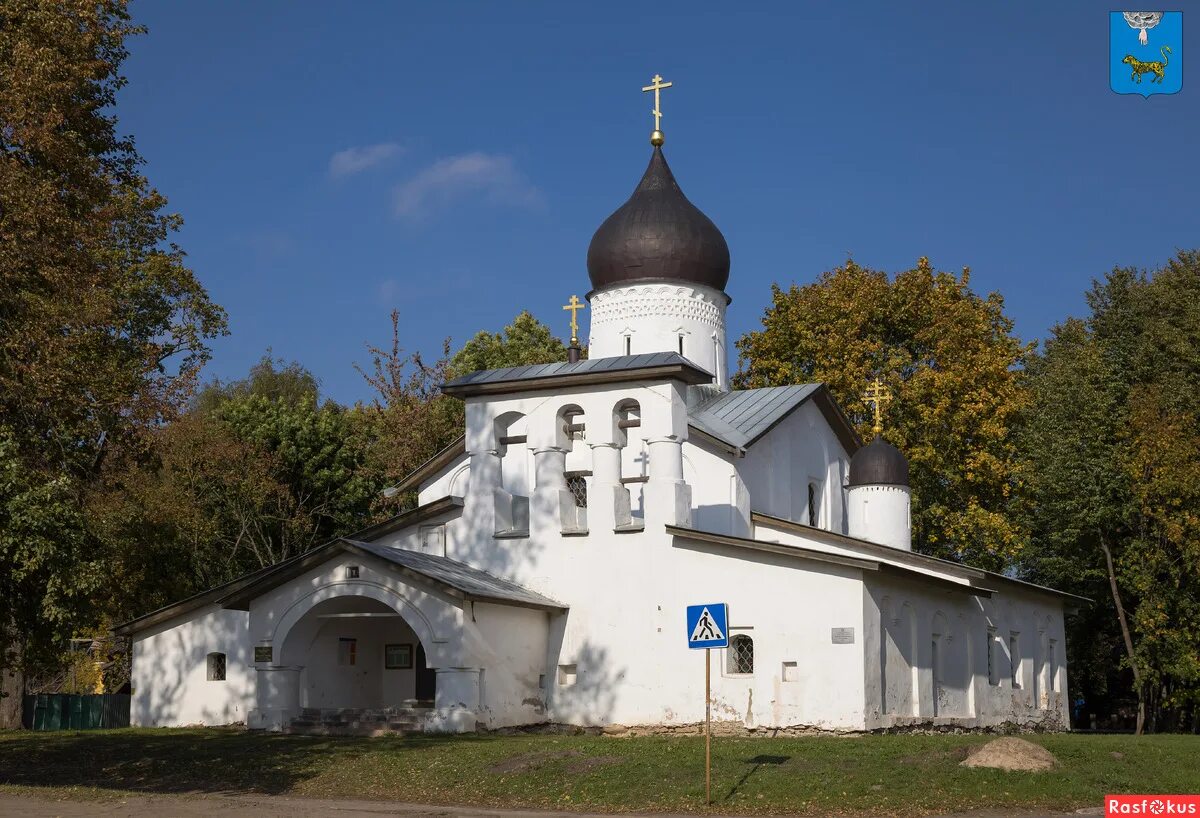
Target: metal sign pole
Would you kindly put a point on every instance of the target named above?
(708, 628)
(707, 726)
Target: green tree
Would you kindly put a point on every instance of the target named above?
(1075, 489)
(261, 474)
(1110, 465)
(271, 378)
(952, 361)
(103, 328)
(46, 571)
(410, 420)
(524, 342)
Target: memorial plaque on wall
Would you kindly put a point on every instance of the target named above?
(262, 653)
(843, 636)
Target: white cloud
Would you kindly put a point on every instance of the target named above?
(389, 290)
(491, 177)
(356, 160)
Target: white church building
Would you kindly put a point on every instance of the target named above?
(544, 573)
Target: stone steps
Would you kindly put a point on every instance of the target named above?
(360, 722)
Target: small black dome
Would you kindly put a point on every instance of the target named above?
(658, 234)
(879, 463)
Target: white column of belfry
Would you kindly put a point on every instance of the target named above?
(668, 499)
(610, 507)
(550, 492)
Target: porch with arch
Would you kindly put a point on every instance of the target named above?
(348, 627)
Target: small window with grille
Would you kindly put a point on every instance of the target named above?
(739, 656)
(577, 483)
(216, 667)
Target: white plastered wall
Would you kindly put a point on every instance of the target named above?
(170, 671)
(901, 614)
(779, 467)
(452, 481)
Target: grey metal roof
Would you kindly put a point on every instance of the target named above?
(471, 582)
(592, 369)
(743, 416)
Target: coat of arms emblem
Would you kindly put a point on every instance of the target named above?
(1145, 52)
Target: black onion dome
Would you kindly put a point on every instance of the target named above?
(879, 463)
(658, 234)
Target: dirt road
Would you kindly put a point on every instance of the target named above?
(277, 806)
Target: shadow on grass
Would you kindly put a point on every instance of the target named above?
(756, 763)
(183, 760)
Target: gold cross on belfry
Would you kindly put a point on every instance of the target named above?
(656, 85)
(877, 394)
(575, 305)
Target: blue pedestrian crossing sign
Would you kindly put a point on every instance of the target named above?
(708, 625)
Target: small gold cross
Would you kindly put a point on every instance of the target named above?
(656, 85)
(575, 305)
(877, 394)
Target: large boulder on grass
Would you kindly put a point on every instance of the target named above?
(1012, 754)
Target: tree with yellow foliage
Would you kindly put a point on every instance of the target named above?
(953, 364)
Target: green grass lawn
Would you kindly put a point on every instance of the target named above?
(885, 774)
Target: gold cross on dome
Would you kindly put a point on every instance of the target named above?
(877, 394)
(656, 85)
(575, 305)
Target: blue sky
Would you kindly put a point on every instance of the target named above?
(451, 160)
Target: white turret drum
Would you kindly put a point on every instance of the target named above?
(879, 501)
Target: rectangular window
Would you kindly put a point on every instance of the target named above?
(993, 677)
(433, 539)
(791, 671)
(628, 345)
(351, 572)
(739, 656)
(347, 652)
(577, 485)
(567, 675)
(814, 498)
(216, 667)
(398, 657)
(1014, 659)
(1051, 669)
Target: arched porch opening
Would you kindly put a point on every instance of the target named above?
(358, 653)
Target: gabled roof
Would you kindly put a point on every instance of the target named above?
(874, 549)
(454, 578)
(662, 365)
(214, 595)
(433, 465)
(472, 583)
(741, 417)
(813, 555)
